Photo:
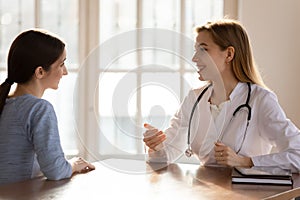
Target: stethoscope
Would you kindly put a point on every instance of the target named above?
(189, 151)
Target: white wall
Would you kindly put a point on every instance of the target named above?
(274, 29)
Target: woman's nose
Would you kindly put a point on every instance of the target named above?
(65, 71)
(194, 59)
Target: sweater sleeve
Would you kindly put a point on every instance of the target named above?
(46, 141)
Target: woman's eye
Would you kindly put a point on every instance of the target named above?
(202, 49)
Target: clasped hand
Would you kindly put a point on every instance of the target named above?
(224, 155)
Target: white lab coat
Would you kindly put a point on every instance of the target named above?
(268, 129)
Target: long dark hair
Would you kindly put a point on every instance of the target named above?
(31, 49)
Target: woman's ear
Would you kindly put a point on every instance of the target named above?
(39, 72)
(230, 54)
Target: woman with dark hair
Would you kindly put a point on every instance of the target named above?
(237, 119)
(29, 138)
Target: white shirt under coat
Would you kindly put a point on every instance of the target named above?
(268, 129)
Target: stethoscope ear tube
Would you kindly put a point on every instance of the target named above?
(246, 104)
(188, 151)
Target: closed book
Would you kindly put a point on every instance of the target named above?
(262, 175)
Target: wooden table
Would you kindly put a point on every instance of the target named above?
(133, 179)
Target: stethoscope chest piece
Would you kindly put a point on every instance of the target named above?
(188, 152)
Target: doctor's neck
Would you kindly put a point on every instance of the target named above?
(221, 91)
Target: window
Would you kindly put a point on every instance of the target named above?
(147, 81)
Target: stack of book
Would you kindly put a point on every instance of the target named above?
(262, 175)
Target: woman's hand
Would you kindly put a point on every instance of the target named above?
(79, 165)
(224, 155)
(153, 138)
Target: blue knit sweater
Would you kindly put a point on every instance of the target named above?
(29, 141)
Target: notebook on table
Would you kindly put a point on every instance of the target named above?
(262, 175)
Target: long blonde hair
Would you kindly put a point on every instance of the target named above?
(228, 32)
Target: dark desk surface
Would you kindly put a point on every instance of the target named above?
(176, 181)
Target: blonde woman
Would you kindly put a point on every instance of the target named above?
(237, 120)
